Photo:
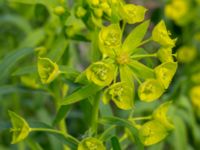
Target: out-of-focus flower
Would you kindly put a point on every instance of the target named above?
(177, 9)
(186, 54)
(195, 96)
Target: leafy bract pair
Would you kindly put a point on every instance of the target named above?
(155, 130)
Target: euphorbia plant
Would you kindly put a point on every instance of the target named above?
(117, 74)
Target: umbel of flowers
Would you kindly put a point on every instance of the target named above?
(121, 69)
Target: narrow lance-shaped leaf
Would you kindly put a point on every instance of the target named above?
(135, 37)
(11, 59)
(140, 70)
(81, 94)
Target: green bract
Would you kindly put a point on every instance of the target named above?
(152, 132)
(47, 70)
(110, 39)
(20, 128)
(165, 73)
(160, 114)
(162, 36)
(121, 94)
(165, 54)
(132, 13)
(150, 90)
(100, 73)
(91, 144)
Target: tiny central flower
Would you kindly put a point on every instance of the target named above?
(123, 58)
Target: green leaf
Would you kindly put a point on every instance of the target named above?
(25, 70)
(61, 114)
(81, 94)
(115, 143)
(124, 123)
(126, 75)
(135, 37)
(11, 59)
(33, 38)
(20, 128)
(140, 70)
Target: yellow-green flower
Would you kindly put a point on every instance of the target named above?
(110, 39)
(195, 96)
(177, 9)
(162, 36)
(91, 144)
(186, 54)
(150, 90)
(165, 73)
(47, 70)
(20, 128)
(152, 132)
(121, 94)
(165, 54)
(160, 114)
(100, 73)
(132, 13)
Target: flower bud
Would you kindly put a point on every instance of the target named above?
(59, 10)
(91, 144)
(47, 70)
(186, 54)
(80, 12)
(165, 55)
(20, 128)
(195, 96)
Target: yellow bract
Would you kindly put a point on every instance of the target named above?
(160, 114)
(110, 39)
(121, 94)
(91, 144)
(152, 132)
(100, 73)
(47, 70)
(162, 36)
(177, 9)
(186, 54)
(165, 55)
(20, 128)
(150, 90)
(132, 13)
(165, 73)
(195, 96)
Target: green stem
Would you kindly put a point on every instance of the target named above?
(144, 42)
(54, 131)
(141, 118)
(123, 26)
(144, 55)
(137, 79)
(95, 113)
